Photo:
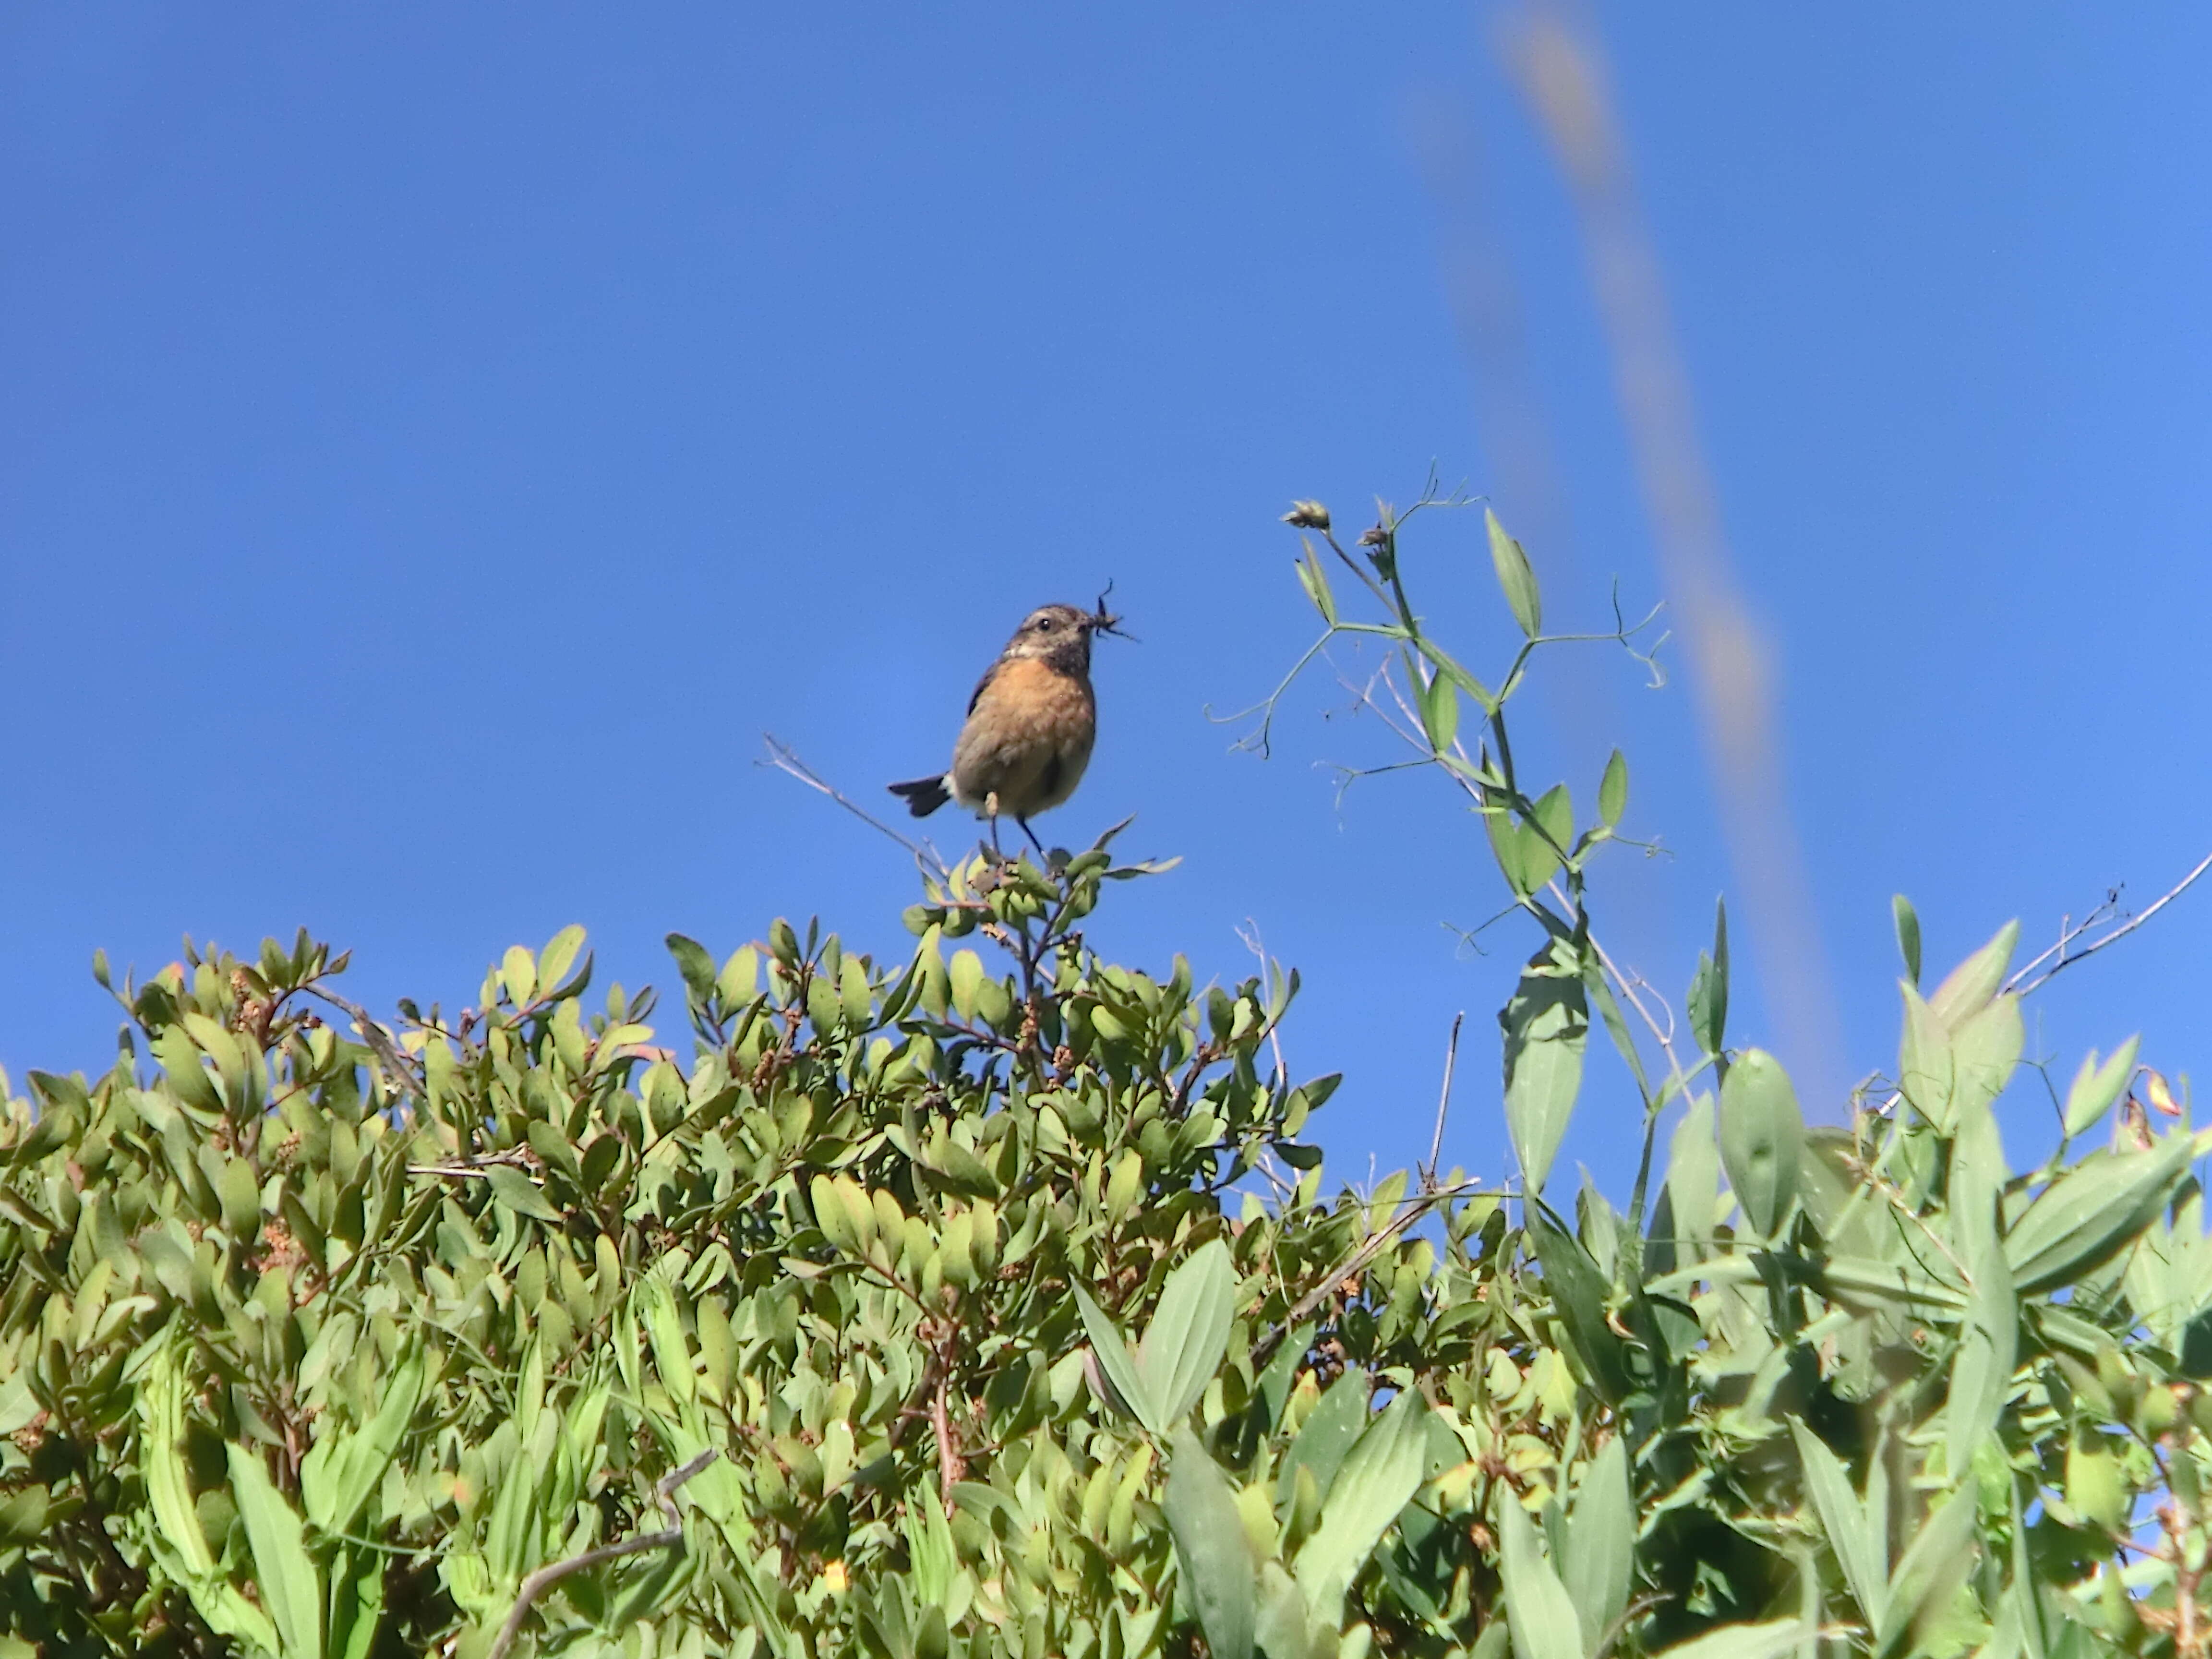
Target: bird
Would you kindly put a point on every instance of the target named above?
(1029, 725)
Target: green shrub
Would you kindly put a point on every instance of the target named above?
(914, 1315)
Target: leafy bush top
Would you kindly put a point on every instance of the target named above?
(988, 1302)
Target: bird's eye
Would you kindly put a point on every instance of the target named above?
(1042, 625)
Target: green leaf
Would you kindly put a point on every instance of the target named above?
(1971, 985)
(1285, 1626)
(1458, 676)
(1545, 1625)
(1612, 790)
(1934, 1565)
(162, 1413)
(1908, 935)
(1116, 1368)
(1770, 1640)
(1762, 1139)
(1985, 1050)
(558, 956)
(1314, 580)
(356, 1602)
(1981, 1370)
(1515, 576)
(1546, 1027)
(1855, 1540)
(519, 974)
(1330, 1430)
(241, 1200)
(1554, 816)
(512, 1189)
(1709, 988)
(1599, 1560)
(1376, 1481)
(337, 1485)
(930, 1551)
(18, 1404)
(2097, 1086)
(1859, 1283)
(965, 973)
(1440, 712)
(696, 966)
(1182, 1347)
(663, 1333)
(1212, 1552)
(1522, 857)
(1927, 1074)
(23, 1516)
(291, 1589)
(1989, 1342)
(1578, 1294)
(2092, 1211)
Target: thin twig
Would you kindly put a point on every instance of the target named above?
(785, 759)
(1414, 1210)
(2020, 984)
(545, 1578)
(378, 1041)
(1444, 1101)
(1627, 985)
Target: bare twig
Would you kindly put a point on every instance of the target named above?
(378, 1041)
(476, 1168)
(1415, 1208)
(2027, 979)
(545, 1578)
(785, 759)
(1443, 1103)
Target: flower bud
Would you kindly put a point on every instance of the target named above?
(1307, 515)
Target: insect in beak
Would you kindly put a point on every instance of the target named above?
(1102, 620)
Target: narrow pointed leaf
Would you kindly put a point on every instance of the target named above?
(1182, 1347)
(1853, 1538)
(1934, 1565)
(1377, 1480)
(1967, 989)
(291, 1589)
(1542, 1613)
(1314, 580)
(1762, 1139)
(1612, 790)
(1329, 1432)
(2097, 1086)
(2091, 1212)
(1599, 1559)
(1212, 1553)
(1927, 1074)
(1515, 577)
(1908, 936)
(1546, 1027)
(1439, 702)
(1709, 988)
(1116, 1365)
(1770, 1640)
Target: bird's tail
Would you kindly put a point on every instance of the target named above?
(923, 796)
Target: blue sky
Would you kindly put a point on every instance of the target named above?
(436, 443)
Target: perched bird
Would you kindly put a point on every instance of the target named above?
(1029, 725)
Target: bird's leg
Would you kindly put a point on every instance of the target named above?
(1031, 834)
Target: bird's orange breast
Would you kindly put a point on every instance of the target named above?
(1027, 740)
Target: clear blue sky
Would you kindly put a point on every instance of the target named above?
(436, 442)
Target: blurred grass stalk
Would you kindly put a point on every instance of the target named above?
(1553, 55)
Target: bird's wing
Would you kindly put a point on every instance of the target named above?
(984, 684)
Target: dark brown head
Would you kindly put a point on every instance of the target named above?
(1061, 634)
